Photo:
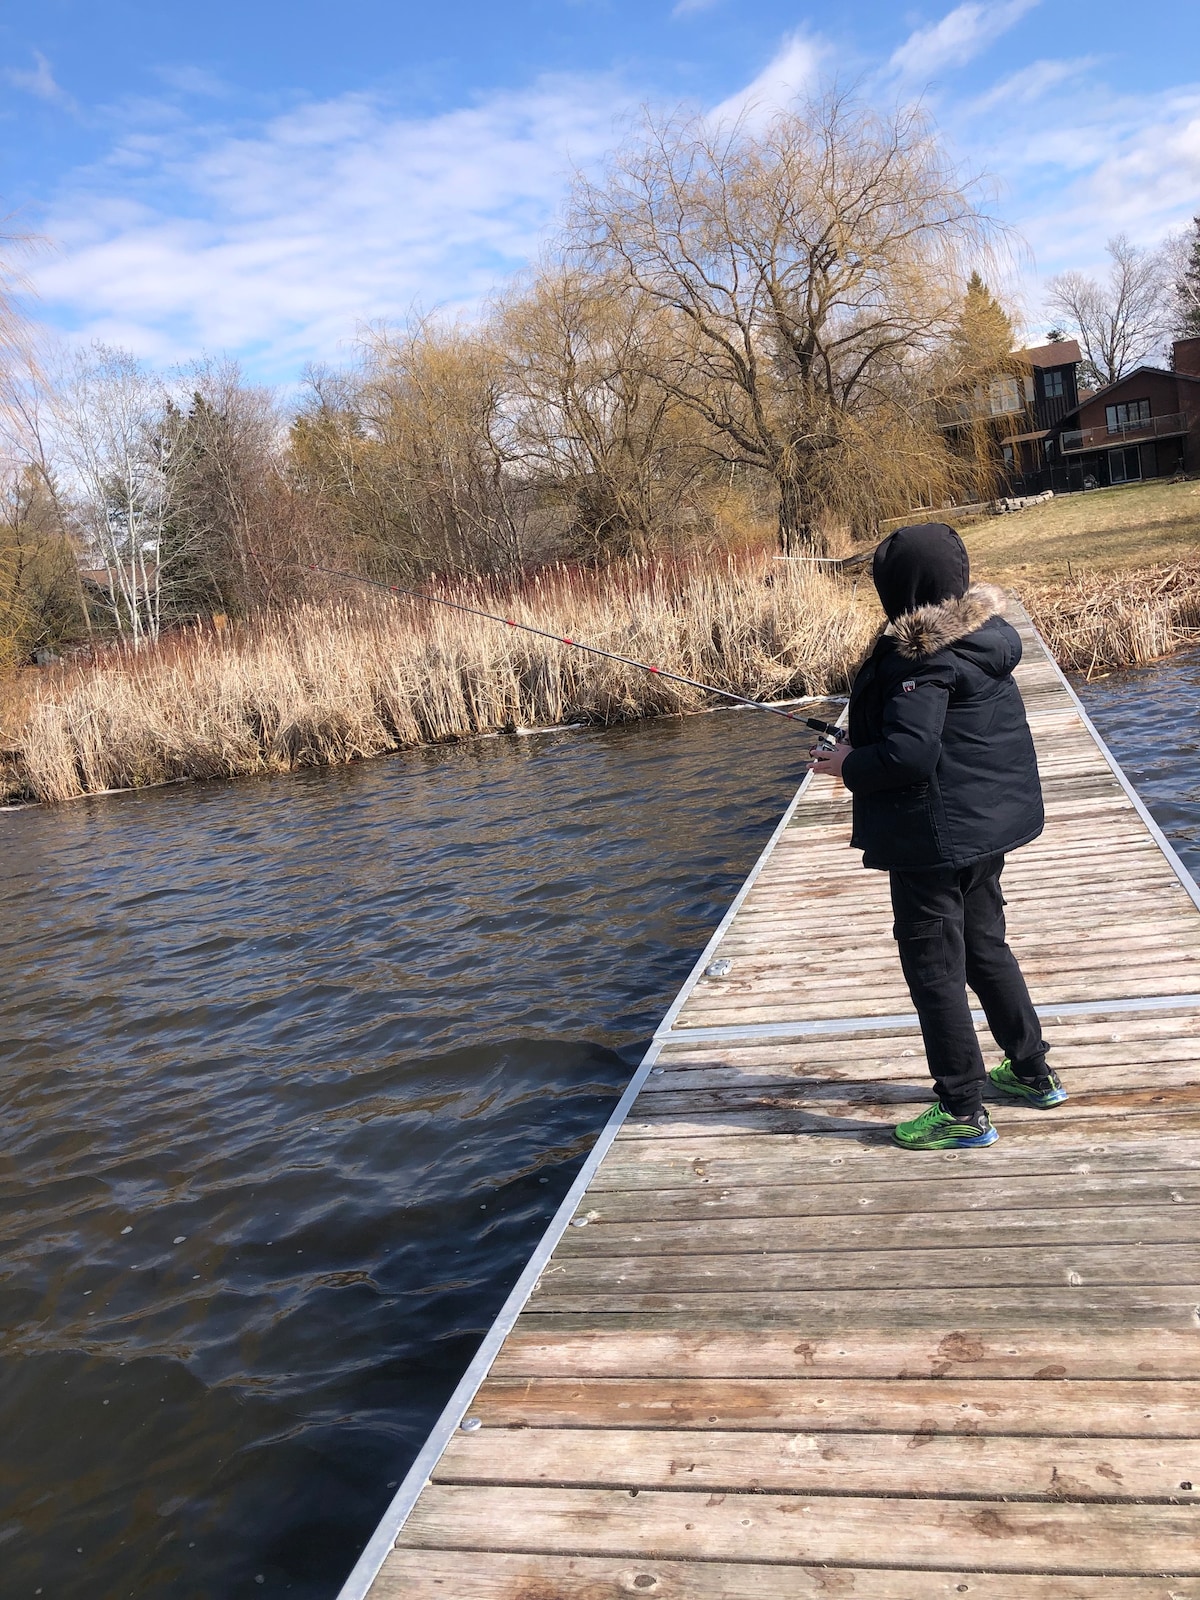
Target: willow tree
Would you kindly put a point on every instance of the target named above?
(813, 272)
(590, 422)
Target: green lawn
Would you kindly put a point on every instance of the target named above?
(1102, 530)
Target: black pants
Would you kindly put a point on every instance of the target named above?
(950, 930)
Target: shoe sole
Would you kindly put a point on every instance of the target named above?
(1039, 1102)
(977, 1143)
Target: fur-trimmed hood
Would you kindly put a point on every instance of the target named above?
(932, 628)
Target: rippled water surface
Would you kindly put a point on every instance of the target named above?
(1150, 720)
(292, 1074)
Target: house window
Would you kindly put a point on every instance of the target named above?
(1054, 383)
(1004, 395)
(1127, 415)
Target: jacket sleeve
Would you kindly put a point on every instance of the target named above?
(911, 742)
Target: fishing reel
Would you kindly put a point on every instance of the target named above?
(831, 734)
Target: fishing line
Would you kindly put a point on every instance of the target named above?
(825, 728)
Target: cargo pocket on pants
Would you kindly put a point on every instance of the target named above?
(922, 951)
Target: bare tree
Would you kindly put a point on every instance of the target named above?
(108, 412)
(1120, 320)
(811, 273)
(411, 458)
(1181, 254)
(589, 419)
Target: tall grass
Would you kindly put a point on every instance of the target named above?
(1096, 623)
(353, 674)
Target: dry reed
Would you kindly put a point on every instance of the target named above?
(354, 675)
(1099, 622)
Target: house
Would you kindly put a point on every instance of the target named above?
(1146, 425)
(1049, 392)
(1022, 410)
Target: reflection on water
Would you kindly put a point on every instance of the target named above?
(294, 1072)
(1150, 720)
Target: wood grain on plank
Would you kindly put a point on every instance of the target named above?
(542, 1347)
(1006, 1535)
(812, 1313)
(1139, 1408)
(1125, 1091)
(1058, 1195)
(990, 1265)
(1086, 1112)
(718, 1157)
(719, 1234)
(923, 1464)
(428, 1574)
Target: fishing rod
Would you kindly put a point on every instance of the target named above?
(827, 729)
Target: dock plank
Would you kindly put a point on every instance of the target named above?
(926, 1465)
(1107, 1408)
(424, 1574)
(1011, 1536)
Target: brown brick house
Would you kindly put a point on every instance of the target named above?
(1146, 425)
(1051, 392)
(1021, 410)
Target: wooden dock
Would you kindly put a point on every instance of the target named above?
(763, 1354)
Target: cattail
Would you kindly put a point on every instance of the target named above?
(352, 676)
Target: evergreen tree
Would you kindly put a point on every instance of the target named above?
(984, 335)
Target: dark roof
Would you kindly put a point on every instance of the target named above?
(98, 577)
(1060, 353)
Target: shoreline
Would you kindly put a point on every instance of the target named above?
(322, 684)
(10, 807)
(326, 685)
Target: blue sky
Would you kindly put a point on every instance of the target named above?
(262, 179)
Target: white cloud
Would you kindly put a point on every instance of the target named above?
(1030, 84)
(791, 73)
(1093, 164)
(40, 81)
(193, 81)
(1132, 166)
(278, 244)
(1090, 163)
(959, 37)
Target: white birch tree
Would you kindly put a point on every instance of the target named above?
(109, 414)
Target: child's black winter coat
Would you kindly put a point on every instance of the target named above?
(942, 770)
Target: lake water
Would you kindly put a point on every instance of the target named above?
(295, 1072)
(1150, 720)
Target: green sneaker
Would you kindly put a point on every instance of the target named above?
(1043, 1094)
(936, 1129)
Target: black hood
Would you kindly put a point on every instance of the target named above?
(920, 565)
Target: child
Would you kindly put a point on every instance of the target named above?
(941, 767)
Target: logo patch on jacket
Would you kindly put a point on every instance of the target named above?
(909, 685)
